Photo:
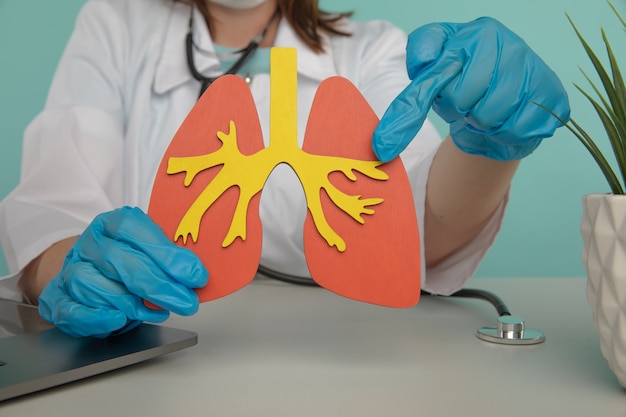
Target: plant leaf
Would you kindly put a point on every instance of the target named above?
(614, 138)
(619, 16)
(598, 156)
(618, 83)
(612, 112)
(606, 80)
(592, 148)
(618, 121)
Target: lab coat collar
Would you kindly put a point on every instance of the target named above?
(172, 70)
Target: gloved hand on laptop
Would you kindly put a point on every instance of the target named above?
(122, 258)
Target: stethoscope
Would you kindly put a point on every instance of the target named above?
(245, 54)
(509, 330)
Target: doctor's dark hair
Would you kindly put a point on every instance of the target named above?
(305, 16)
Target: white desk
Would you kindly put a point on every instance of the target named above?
(276, 349)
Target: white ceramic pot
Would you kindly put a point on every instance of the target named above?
(603, 228)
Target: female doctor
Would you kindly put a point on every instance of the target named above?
(123, 86)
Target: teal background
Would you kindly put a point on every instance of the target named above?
(540, 235)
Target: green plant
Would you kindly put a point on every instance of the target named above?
(611, 109)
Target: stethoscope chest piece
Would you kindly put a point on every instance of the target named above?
(511, 330)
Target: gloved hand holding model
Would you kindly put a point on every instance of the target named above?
(121, 259)
(483, 80)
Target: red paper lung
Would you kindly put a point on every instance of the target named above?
(381, 263)
(233, 267)
(381, 260)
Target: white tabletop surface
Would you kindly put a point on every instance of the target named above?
(275, 349)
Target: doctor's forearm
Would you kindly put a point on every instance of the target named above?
(463, 192)
(42, 269)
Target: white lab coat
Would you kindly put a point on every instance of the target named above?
(122, 89)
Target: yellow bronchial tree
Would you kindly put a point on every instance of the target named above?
(250, 172)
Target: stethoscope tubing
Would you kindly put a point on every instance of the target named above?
(488, 296)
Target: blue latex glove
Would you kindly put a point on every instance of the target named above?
(483, 80)
(122, 258)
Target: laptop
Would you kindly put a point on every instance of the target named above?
(35, 356)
